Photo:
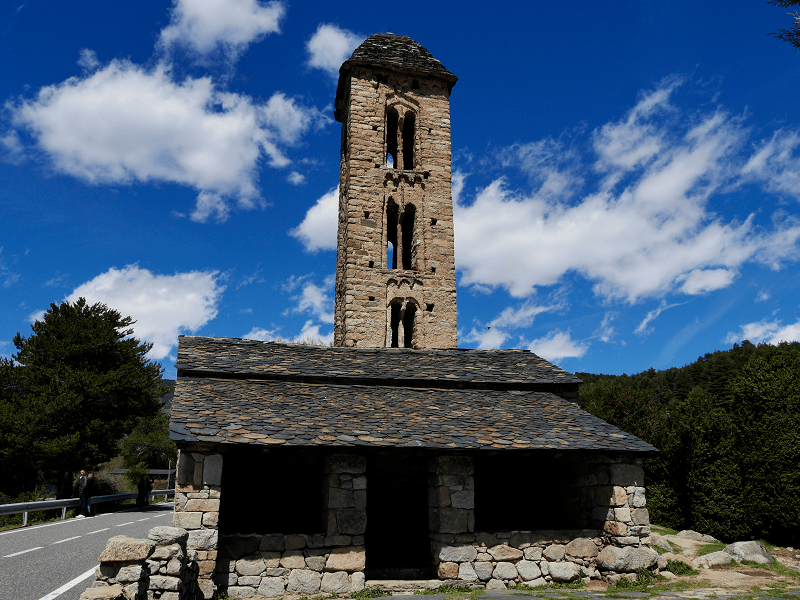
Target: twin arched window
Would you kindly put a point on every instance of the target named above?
(402, 324)
(400, 236)
(400, 138)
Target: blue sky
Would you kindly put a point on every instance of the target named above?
(626, 175)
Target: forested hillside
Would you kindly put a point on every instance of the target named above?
(728, 430)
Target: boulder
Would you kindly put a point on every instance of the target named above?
(483, 570)
(271, 587)
(660, 541)
(202, 539)
(504, 570)
(626, 560)
(122, 548)
(753, 551)
(336, 583)
(694, 535)
(357, 581)
(466, 572)
(564, 572)
(293, 559)
(495, 584)
(447, 570)
(534, 553)
(250, 566)
(717, 558)
(554, 553)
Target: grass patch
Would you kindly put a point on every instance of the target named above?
(703, 549)
(776, 567)
(578, 584)
(680, 568)
(663, 530)
(367, 593)
(445, 589)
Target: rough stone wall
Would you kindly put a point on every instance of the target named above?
(275, 564)
(158, 568)
(365, 287)
(609, 498)
(197, 498)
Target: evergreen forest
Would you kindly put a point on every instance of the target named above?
(728, 432)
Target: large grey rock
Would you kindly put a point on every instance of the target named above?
(338, 583)
(505, 553)
(293, 559)
(304, 582)
(582, 548)
(466, 572)
(554, 553)
(483, 570)
(534, 553)
(564, 572)
(315, 563)
(453, 520)
(463, 499)
(187, 520)
(122, 548)
(129, 574)
(753, 551)
(660, 541)
(639, 500)
(165, 535)
(109, 592)
(640, 516)
(457, 554)
(528, 570)
(168, 552)
(697, 537)
(159, 582)
(504, 570)
(351, 521)
(626, 560)
(536, 582)
(357, 580)
(717, 558)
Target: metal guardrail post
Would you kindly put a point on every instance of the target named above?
(24, 519)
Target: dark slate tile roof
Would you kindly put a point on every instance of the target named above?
(486, 369)
(297, 413)
(398, 52)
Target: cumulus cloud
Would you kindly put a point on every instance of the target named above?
(163, 306)
(330, 46)
(770, 332)
(87, 59)
(647, 230)
(318, 228)
(125, 123)
(558, 345)
(262, 335)
(494, 333)
(228, 26)
(315, 300)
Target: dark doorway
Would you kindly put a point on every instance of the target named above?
(397, 541)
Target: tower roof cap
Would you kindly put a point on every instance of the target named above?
(393, 52)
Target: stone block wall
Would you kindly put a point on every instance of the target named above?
(345, 496)
(275, 564)
(451, 496)
(197, 498)
(158, 568)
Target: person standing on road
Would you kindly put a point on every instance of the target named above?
(86, 494)
(81, 497)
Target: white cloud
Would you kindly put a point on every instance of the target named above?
(163, 306)
(7, 275)
(557, 345)
(487, 337)
(314, 299)
(606, 332)
(771, 332)
(124, 123)
(227, 26)
(88, 60)
(494, 333)
(330, 46)
(645, 232)
(310, 331)
(262, 335)
(643, 328)
(700, 281)
(318, 228)
(296, 178)
(763, 296)
(777, 163)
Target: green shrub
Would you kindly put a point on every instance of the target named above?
(367, 593)
(678, 567)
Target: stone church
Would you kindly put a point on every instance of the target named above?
(395, 458)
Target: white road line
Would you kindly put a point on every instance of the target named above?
(145, 519)
(128, 523)
(69, 585)
(98, 531)
(23, 552)
(66, 540)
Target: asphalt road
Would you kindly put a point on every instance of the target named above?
(38, 562)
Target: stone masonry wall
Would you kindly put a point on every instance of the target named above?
(365, 286)
(158, 568)
(197, 498)
(610, 498)
(274, 564)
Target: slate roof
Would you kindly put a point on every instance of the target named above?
(269, 393)
(486, 369)
(286, 413)
(393, 52)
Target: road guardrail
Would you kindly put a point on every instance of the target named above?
(26, 507)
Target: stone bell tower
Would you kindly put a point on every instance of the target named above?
(395, 268)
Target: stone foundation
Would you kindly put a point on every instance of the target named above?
(298, 564)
